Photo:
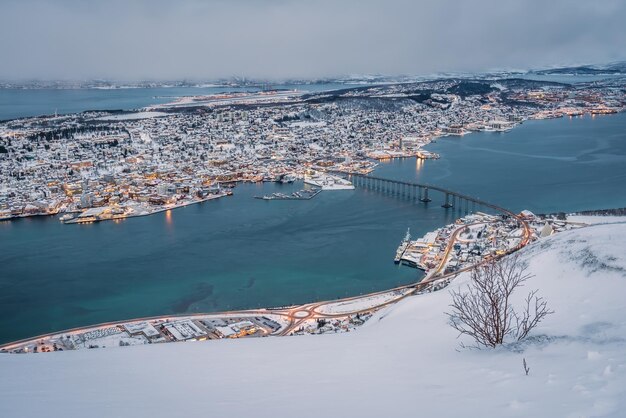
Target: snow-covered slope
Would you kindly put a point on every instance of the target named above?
(596, 219)
(403, 362)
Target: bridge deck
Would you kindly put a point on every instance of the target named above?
(431, 187)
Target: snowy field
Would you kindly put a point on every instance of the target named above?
(596, 219)
(404, 362)
(134, 116)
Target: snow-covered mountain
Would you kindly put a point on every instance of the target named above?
(602, 69)
(405, 362)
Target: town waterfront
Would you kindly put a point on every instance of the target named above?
(239, 252)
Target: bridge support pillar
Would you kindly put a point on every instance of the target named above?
(447, 204)
(425, 198)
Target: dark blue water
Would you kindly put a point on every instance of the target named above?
(239, 252)
(566, 164)
(17, 103)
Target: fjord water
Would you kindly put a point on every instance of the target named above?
(239, 252)
(546, 166)
(236, 252)
(19, 103)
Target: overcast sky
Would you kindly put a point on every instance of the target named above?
(159, 39)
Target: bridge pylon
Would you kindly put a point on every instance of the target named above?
(420, 192)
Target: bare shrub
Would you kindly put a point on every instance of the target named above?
(484, 310)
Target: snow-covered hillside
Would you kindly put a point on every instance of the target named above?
(405, 362)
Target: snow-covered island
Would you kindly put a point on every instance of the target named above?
(100, 165)
(405, 361)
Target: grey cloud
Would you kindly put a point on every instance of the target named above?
(289, 38)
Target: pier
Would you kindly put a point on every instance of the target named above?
(304, 194)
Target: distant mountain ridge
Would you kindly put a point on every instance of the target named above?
(614, 68)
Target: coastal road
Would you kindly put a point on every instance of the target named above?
(453, 240)
(298, 315)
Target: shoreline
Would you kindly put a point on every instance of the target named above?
(116, 218)
(154, 212)
(297, 315)
(293, 318)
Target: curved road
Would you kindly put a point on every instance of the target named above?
(300, 314)
(297, 315)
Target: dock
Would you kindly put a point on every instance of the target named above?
(304, 194)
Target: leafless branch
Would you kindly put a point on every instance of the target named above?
(483, 309)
